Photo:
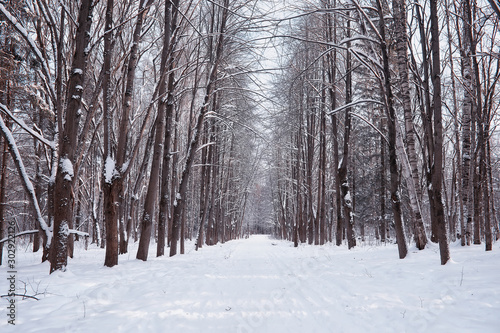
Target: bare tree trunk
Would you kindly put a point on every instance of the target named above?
(3, 188)
(488, 237)
(342, 171)
(64, 182)
(436, 168)
(163, 217)
(391, 126)
(492, 196)
(152, 193)
(383, 226)
(298, 221)
(322, 171)
(458, 190)
(181, 194)
(467, 107)
(110, 179)
(204, 187)
(399, 8)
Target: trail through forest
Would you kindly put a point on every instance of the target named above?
(264, 285)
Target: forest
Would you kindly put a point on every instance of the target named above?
(147, 146)
(329, 121)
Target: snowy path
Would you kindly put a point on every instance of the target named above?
(264, 285)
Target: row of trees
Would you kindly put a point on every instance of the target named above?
(394, 106)
(138, 118)
(126, 119)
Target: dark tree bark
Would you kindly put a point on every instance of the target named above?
(153, 186)
(436, 168)
(383, 227)
(165, 176)
(64, 183)
(342, 170)
(3, 188)
(181, 194)
(332, 77)
(110, 181)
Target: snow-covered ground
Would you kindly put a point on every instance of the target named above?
(262, 285)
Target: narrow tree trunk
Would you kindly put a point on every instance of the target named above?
(342, 171)
(488, 237)
(383, 227)
(399, 8)
(181, 194)
(467, 107)
(204, 188)
(165, 176)
(3, 188)
(299, 222)
(391, 126)
(110, 177)
(153, 186)
(437, 209)
(322, 171)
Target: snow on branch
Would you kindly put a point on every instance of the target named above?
(79, 233)
(358, 37)
(67, 168)
(27, 232)
(371, 125)
(21, 123)
(362, 12)
(28, 186)
(348, 105)
(24, 33)
(110, 172)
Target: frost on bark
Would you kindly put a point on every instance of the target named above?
(63, 187)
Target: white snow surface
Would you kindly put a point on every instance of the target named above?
(261, 285)
(110, 170)
(67, 168)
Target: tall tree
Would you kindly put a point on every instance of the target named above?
(401, 36)
(391, 126)
(153, 186)
(181, 195)
(64, 182)
(435, 168)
